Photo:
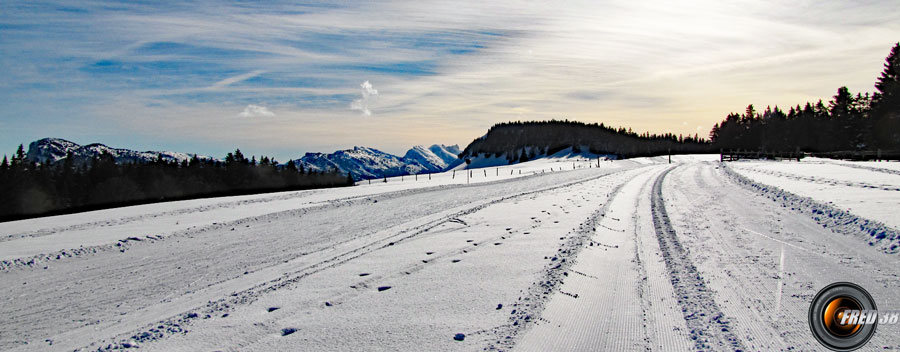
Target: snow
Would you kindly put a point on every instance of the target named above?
(361, 162)
(862, 191)
(55, 149)
(426, 157)
(447, 153)
(552, 254)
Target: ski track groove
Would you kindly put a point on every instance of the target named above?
(177, 323)
(742, 285)
(886, 238)
(529, 307)
(709, 328)
(822, 180)
(861, 167)
(129, 241)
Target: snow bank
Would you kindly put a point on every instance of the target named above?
(878, 234)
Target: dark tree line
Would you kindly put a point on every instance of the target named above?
(846, 123)
(32, 189)
(523, 141)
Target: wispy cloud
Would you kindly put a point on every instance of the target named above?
(452, 69)
(253, 110)
(235, 79)
(368, 93)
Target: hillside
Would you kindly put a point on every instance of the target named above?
(523, 141)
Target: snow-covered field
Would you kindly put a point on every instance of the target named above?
(552, 254)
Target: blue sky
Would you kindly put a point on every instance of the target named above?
(287, 78)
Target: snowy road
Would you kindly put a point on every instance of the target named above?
(631, 255)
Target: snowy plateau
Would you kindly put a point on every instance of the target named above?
(569, 252)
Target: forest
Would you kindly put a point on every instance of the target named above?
(30, 189)
(523, 141)
(847, 123)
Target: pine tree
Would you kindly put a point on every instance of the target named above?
(886, 103)
(19, 157)
(888, 84)
(841, 104)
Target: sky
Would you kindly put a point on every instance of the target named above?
(282, 79)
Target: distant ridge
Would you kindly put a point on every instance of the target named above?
(367, 163)
(514, 142)
(52, 150)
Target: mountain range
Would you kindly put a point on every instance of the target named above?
(51, 150)
(360, 162)
(367, 163)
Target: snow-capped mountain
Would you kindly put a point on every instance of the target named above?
(435, 158)
(361, 162)
(367, 163)
(51, 150)
(448, 153)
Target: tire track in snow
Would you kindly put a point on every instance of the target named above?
(661, 320)
(709, 328)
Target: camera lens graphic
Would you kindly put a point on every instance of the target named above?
(828, 310)
(834, 314)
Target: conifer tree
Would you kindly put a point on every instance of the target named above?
(886, 103)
